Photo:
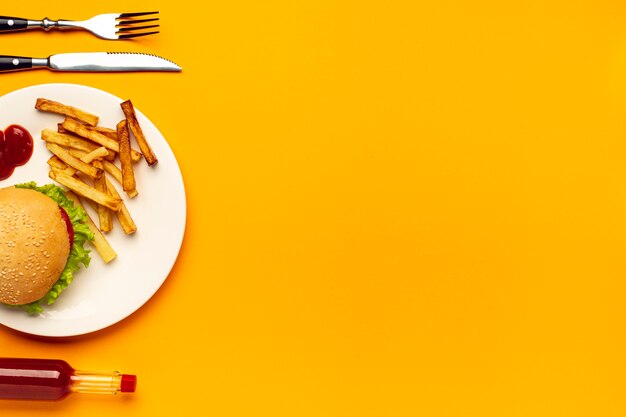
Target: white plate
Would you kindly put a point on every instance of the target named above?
(103, 294)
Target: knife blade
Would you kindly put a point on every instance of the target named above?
(90, 62)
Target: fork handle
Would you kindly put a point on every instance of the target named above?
(10, 24)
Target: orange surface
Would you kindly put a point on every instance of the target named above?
(395, 209)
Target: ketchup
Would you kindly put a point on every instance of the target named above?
(34, 378)
(16, 148)
(54, 379)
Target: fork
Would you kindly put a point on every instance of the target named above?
(111, 26)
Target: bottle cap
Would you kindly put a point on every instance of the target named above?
(129, 383)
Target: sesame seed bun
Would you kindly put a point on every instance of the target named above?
(34, 245)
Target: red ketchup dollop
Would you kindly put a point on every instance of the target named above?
(68, 224)
(16, 148)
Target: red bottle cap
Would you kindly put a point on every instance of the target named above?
(129, 383)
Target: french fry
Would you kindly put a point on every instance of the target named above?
(104, 215)
(60, 167)
(69, 171)
(113, 170)
(95, 154)
(106, 131)
(86, 191)
(72, 141)
(103, 247)
(81, 154)
(128, 175)
(126, 221)
(117, 174)
(109, 167)
(95, 136)
(131, 117)
(56, 163)
(74, 162)
(51, 136)
(65, 110)
(82, 130)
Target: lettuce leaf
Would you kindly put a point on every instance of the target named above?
(78, 253)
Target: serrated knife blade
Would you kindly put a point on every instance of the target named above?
(91, 62)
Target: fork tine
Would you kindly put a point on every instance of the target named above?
(135, 35)
(125, 15)
(132, 28)
(134, 22)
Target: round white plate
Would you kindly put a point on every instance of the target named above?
(103, 294)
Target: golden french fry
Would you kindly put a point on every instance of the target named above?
(81, 154)
(106, 131)
(103, 247)
(112, 169)
(60, 167)
(117, 174)
(104, 215)
(88, 157)
(131, 117)
(72, 141)
(82, 130)
(56, 171)
(69, 171)
(101, 152)
(126, 221)
(51, 136)
(128, 175)
(66, 140)
(86, 191)
(85, 157)
(73, 162)
(88, 133)
(56, 163)
(123, 216)
(65, 110)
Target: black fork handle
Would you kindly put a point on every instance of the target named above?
(15, 63)
(11, 24)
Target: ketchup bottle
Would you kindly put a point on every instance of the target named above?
(54, 379)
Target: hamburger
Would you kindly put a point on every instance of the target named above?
(42, 238)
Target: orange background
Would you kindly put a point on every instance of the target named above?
(395, 209)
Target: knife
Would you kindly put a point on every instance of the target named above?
(91, 62)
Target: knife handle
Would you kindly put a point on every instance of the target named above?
(14, 63)
(12, 24)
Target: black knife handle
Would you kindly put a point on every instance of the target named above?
(14, 63)
(12, 23)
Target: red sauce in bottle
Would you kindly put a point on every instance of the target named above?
(54, 379)
(41, 379)
(16, 148)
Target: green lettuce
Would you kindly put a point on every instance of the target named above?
(78, 253)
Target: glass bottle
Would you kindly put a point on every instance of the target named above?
(55, 379)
